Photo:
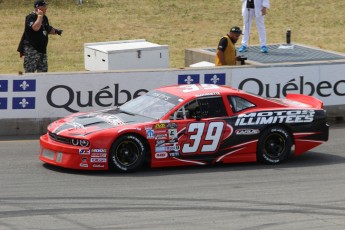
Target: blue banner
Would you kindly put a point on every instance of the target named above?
(189, 79)
(3, 85)
(24, 85)
(23, 103)
(215, 78)
(3, 103)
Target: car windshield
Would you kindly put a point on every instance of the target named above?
(154, 104)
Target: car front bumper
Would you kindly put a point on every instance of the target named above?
(68, 156)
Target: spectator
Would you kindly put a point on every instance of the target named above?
(33, 45)
(257, 9)
(226, 51)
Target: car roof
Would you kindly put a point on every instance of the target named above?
(193, 90)
(190, 91)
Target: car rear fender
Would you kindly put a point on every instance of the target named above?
(309, 100)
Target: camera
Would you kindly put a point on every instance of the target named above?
(58, 32)
(241, 59)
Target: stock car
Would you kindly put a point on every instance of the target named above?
(182, 125)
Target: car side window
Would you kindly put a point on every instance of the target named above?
(186, 112)
(207, 107)
(238, 103)
(212, 107)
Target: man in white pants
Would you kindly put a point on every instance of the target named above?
(257, 9)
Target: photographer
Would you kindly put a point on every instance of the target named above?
(33, 45)
(226, 51)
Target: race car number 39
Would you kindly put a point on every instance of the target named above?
(203, 137)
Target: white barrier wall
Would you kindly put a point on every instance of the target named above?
(326, 82)
(59, 94)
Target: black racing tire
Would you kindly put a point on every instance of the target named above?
(127, 154)
(274, 145)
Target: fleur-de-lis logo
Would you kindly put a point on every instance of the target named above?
(215, 79)
(189, 80)
(24, 85)
(24, 103)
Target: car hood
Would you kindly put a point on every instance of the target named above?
(82, 124)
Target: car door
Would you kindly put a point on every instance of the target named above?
(201, 128)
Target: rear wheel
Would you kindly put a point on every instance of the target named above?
(127, 154)
(274, 145)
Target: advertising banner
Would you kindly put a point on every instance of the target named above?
(325, 82)
(58, 95)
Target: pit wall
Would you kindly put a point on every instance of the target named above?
(29, 102)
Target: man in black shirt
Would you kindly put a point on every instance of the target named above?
(33, 45)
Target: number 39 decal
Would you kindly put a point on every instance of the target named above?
(203, 137)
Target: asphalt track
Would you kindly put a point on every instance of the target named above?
(307, 192)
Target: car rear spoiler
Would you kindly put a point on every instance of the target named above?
(309, 100)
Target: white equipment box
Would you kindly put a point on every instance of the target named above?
(125, 54)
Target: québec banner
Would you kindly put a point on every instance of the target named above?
(60, 94)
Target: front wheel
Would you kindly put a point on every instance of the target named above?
(127, 154)
(274, 145)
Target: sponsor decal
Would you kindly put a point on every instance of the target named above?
(98, 150)
(174, 154)
(207, 94)
(161, 136)
(160, 96)
(84, 165)
(98, 160)
(161, 131)
(75, 125)
(98, 165)
(150, 134)
(160, 126)
(273, 117)
(98, 155)
(161, 155)
(188, 79)
(110, 119)
(173, 141)
(167, 148)
(247, 131)
(217, 79)
(172, 133)
(160, 142)
(84, 159)
(84, 151)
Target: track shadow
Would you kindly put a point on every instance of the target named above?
(309, 159)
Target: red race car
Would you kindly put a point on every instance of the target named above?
(187, 125)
